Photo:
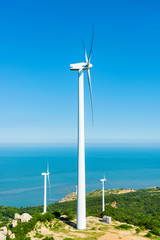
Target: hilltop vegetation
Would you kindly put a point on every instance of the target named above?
(140, 208)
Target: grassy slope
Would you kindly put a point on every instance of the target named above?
(139, 207)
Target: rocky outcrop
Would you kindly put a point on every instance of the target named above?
(11, 235)
(3, 233)
(3, 230)
(14, 223)
(25, 217)
(17, 216)
(2, 237)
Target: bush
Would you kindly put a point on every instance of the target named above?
(93, 228)
(143, 228)
(48, 238)
(3, 224)
(149, 234)
(69, 215)
(68, 238)
(124, 226)
(37, 235)
(155, 231)
(57, 214)
(44, 217)
(138, 230)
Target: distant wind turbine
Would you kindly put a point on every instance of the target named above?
(81, 200)
(103, 182)
(45, 188)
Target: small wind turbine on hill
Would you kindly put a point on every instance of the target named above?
(45, 188)
(103, 183)
(81, 201)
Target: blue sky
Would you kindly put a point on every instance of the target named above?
(38, 92)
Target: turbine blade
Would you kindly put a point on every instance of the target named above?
(91, 47)
(49, 182)
(108, 182)
(85, 52)
(47, 166)
(89, 82)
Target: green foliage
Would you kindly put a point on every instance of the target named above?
(69, 214)
(93, 228)
(22, 229)
(149, 235)
(156, 231)
(2, 224)
(68, 238)
(142, 228)
(140, 208)
(138, 230)
(38, 235)
(45, 217)
(57, 214)
(124, 226)
(48, 238)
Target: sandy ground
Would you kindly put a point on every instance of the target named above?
(113, 234)
(95, 229)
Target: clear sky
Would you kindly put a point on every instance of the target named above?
(38, 92)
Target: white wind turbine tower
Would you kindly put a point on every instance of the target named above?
(45, 188)
(81, 200)
(103, 183)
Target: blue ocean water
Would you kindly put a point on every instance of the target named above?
(21, 183)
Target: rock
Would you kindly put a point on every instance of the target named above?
(14, 223)
(12, 236)
(9, 232)
(25, 217)
(2, 237)
(3, 231)
(17, 216)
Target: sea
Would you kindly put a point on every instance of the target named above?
(22, 185)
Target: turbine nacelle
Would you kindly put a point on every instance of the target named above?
(80, 66)
(103, 180)
(45, 173)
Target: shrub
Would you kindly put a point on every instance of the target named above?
(44, 217)
(69, 215)
(37, 235)
(138, 230)
(3, 224)
(155, 231)
(57, 214)
(124, 226)
(143, 228)
(93, 228)
(68, 238)
(48, 238)
(149, 234)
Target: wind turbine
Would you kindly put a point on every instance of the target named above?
(45, 188)
(81, 200)
(103, 183)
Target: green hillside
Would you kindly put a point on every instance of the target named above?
(140, 208)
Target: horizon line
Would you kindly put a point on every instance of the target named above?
(88, 143)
